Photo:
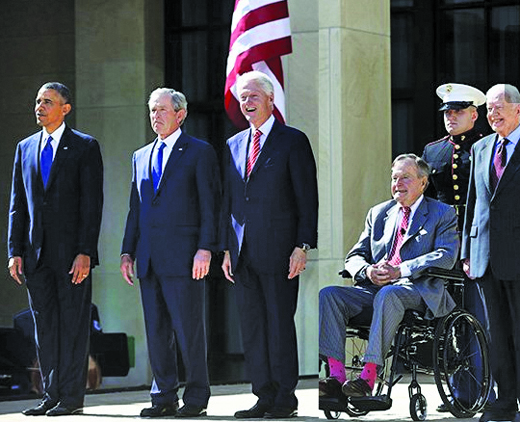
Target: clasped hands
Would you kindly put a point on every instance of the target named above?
(382, 273)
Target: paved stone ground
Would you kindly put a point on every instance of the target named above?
(226, 400)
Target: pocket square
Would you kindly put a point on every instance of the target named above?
(422, 232)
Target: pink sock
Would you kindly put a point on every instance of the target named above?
(337, 370)
(369, 374)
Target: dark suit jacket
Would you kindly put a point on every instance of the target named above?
(69, 209)
(278, 205)
(169, 226)
(431, 241)
(492, 225)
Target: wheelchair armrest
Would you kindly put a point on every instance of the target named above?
(450, 275)
(345, 274)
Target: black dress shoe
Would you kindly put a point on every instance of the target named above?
(191, 411)
(357, 388)
(442, 408)
(62, 410)
(39, 410)
(330, 387)
(494, 415)
(159, 410)
(281, 413)
(257, 411)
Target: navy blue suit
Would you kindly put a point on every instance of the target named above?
(163, 232)
(277, 207)
(48, 228)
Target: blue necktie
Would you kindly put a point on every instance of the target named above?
(46, 160)
(157, 166)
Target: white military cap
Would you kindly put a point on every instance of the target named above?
(459, 96)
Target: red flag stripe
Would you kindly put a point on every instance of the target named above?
(255, 54)
(260, 35)
(265, 14)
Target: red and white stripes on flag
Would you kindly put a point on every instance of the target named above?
(260, 35)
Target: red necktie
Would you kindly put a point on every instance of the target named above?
(499, 163)
(395, 255)
(255, 152)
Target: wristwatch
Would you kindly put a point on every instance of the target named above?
(304, 247)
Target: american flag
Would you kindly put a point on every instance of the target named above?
(260, 35)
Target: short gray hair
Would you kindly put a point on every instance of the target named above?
(178, 99)
(265, 82)
(423, 168)
(511, 94)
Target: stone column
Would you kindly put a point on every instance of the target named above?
(119, 46)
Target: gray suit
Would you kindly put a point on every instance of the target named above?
(431, 241)
(491, 241)
(491, 235)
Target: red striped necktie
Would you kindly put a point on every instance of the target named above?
(395, 253)
(255, 152)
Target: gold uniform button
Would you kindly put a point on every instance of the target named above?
(457, 146)
(457, 197)
(455, 177)
(455, 166)
(456, 187)
(455, 156)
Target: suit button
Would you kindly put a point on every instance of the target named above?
(457, 197)
(455, 177)
(247, 198)
(456, 187)
(455, 156)
(457, 146)
(455, 166)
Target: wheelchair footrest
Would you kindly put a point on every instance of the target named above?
(372, 403)
(334, 404)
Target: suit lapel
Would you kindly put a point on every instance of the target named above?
(269, 145)
(178, 149)
(487, 159)
(34, 156)
(389, 228)
(418, 220)
(512, 167)
(238, 149)
(64, 149)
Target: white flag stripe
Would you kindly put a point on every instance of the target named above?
(260, 34)
(279, 97)
(245, 6)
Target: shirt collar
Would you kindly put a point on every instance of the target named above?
(56, 135)
(414, 206)
(171, 139)
(266, 127)
(513, 137)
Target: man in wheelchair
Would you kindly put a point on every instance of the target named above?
(402, 237)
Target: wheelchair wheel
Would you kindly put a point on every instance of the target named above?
(329, 414)
(418, 407)
(461, 363)
(354, 351)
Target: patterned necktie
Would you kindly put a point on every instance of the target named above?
(46, 160)
(255, 152)
(395, 253)
(157, 166)
(499, 163)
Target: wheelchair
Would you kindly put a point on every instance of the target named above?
(453, 349)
